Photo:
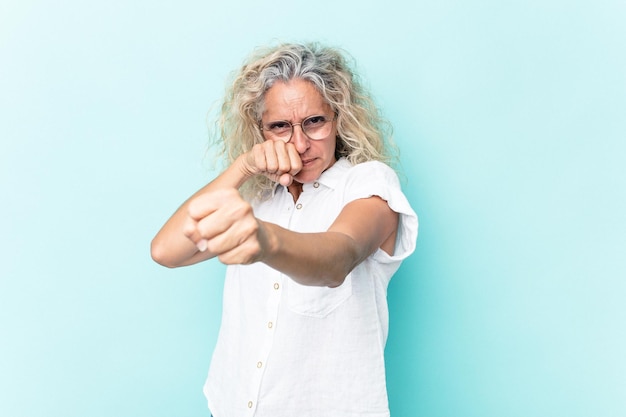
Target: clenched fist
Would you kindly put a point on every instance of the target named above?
(223, 224)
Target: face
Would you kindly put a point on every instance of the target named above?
(294, 101)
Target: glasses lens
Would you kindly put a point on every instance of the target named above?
(314, 127)
(317, 127)
(280, 129)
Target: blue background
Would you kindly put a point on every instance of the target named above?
(511, 118)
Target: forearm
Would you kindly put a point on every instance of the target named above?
(315, 259)
(325, 259)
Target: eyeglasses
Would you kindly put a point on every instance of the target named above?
(314, 127)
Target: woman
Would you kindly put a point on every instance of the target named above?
(313, 224)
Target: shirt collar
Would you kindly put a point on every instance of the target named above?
(332, 175)
(329, 178)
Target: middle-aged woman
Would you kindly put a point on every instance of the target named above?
(312, 223)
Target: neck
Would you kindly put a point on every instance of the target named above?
(295, 189)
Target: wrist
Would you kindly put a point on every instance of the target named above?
(269, 240)
(241, 170)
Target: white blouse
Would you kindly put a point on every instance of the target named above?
(286, 349)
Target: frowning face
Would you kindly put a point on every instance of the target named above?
(296, 101)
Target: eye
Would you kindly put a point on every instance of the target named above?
(314, 121)
(279, 127)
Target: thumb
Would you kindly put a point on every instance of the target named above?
(285, 179)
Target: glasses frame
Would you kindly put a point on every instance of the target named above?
(334, 119)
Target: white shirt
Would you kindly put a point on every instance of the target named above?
(289, 350)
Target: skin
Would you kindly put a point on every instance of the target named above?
(216, 221)
(294, 102)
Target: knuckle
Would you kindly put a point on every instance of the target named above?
(225, 259)
(242, 209)
(189, 228)
(192, 208)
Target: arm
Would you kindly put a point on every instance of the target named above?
(226, 227)
(172, 246)
(216, 221)
(325, 259)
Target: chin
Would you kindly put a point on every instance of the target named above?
(305, 179)
(310, 176)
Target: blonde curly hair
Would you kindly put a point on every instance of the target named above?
(362, 134)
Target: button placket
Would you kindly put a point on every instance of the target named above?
(265, 348)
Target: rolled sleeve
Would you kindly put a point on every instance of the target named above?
(377, 179)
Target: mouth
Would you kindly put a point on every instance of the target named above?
(306, 162)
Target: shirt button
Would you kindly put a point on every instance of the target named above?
(249, 404)
(299, 206)
(270, 325)
(316, 184)
(276, 286)
(259, 364)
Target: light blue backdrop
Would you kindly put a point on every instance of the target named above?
(511, 117)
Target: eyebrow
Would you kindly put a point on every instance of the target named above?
(290, 121)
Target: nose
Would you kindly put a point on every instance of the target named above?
(299, 139)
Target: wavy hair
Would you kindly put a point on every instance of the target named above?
(362, 134)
